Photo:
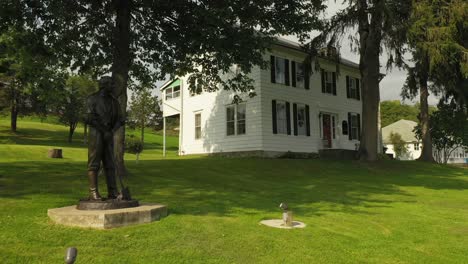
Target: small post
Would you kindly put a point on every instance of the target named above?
(164, 136)
(287, 215)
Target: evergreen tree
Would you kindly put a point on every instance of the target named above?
(380, 24)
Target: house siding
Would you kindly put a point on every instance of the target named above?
(259, 134)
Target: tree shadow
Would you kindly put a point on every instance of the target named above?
(226, 187)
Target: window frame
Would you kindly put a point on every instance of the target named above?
(235, 120)
(285, 123)
(298, 108)
(329, 81)
(280, 66)
(198, 136)
(172, 92)
(354, 136)
(300, 67)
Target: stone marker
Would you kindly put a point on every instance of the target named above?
(287, 221)
(106, 219)
(55, 153)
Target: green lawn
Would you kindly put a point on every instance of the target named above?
(388, 212)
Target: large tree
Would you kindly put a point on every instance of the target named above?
(26, 71)
(438, 39)
(380, 24)
(148, 40)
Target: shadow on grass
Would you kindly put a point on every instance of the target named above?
(56, 138)
(224, 187)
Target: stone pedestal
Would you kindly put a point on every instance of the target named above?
(106, 219)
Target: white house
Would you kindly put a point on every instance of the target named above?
(405, 129)
(292, 111)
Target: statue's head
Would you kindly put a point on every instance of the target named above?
(106, 84)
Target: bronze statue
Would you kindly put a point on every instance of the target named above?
(103, 118)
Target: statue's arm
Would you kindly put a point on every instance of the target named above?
(93, 118)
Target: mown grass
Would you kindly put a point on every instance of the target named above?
(387, 212)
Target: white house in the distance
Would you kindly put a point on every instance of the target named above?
(405, 128)
(292, 111)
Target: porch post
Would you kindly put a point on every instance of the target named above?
(164, 136)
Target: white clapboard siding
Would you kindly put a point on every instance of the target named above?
(259, 135)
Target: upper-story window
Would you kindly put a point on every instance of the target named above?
(298, 75)
(173, 92)
(328, 82)
(352, 88)
(416, 146)
(279, 70)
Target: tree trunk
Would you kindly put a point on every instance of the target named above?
(120, 68)
(370, 35)
(426, 151)
(85, 133)
(142, 135)
(71, 130)
(14, 117)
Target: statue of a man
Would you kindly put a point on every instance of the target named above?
(104, 118)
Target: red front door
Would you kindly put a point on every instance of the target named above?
(326, 127)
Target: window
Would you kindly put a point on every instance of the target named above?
(280, 70)
(173, 92)
(281, 118)
(354, 126)
(301, 120)
(197, 125)
(328, 82)
(353, 88)
(416, 146)
(300, 76)
(344, 127)
(235, 120)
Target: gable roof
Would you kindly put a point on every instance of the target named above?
(296, 46)
(170, 83)
(403, 127)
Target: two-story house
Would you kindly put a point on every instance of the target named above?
(293, 110)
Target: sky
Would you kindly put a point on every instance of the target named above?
(392, 83)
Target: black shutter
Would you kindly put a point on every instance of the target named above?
(323, 81)
(306, 75)
(295, 119)
(350, 132)
(273, 114)
(293, 73)
(359, 127)
(358, 90)
(334, 83)
(272, 68)
(348, 94)
(288, 117)
(307, 120)
(286, 71)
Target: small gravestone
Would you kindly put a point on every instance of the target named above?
(55, 153)
(286, 222)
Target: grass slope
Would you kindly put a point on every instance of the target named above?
(388, 212)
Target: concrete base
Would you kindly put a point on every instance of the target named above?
(278, 223)
(106, 219)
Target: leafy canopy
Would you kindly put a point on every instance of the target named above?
(203, 38)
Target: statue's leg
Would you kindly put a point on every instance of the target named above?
(94, 162)
(109, 166)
